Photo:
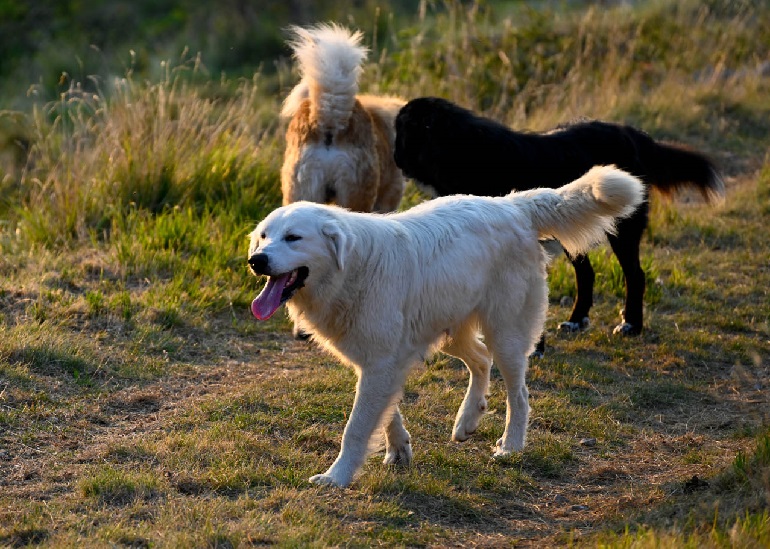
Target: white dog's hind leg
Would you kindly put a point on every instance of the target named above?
(466, 346)
(377, 388)
(511, 360)
(511, 340)
(398, 444)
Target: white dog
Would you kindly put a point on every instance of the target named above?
(379, 291)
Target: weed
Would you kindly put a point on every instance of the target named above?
(111, 486)
(754, 468)
(95, 301)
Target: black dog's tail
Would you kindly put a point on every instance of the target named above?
(671, 167)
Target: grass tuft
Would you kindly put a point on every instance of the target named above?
(111, 486)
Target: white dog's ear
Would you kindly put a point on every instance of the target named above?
(338, 241)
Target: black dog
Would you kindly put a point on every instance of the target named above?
(450, 150)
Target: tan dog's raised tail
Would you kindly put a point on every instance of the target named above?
(339, 145)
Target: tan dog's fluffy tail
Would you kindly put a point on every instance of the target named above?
(329, 59)
(580, 213)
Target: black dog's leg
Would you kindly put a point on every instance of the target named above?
(584, 275)
(539, 351)
(625, 244)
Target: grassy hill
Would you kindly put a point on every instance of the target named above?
(141, 404)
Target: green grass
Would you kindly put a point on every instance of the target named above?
(141, 404)
(112, 487)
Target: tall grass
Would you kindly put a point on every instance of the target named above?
(539, 67)
(139, 146)
(99, 157)
(165, 178)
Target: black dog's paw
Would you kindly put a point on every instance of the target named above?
(571, 327)
(539, 351)
(626, 329)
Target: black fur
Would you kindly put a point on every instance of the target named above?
(450, 150)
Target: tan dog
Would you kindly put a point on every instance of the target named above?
(339, 145)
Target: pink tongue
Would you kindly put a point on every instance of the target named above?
(269, 299)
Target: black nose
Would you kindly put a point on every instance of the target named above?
(258, 263)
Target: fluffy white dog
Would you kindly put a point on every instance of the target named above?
(379, 291)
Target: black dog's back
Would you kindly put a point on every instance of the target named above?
(450, 150)
(453, 151)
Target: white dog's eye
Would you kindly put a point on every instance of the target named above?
(263, 236)
(292, 238)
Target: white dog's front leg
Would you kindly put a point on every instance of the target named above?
(375, 392)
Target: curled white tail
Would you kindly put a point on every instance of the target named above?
(329, 59)
(580, 213)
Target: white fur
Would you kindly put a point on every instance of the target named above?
(385, 289)
(329, 59)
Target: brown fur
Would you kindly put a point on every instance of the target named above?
(369, 181)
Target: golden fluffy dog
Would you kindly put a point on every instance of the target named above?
(339, 145)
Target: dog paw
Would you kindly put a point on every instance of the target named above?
(327, 480)
(502, 450)
(626, 329)
(468, 421)
(572, 327)
(499, 451)
(539, 351)
(569, 327)
(462, 433)
(400, 456)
